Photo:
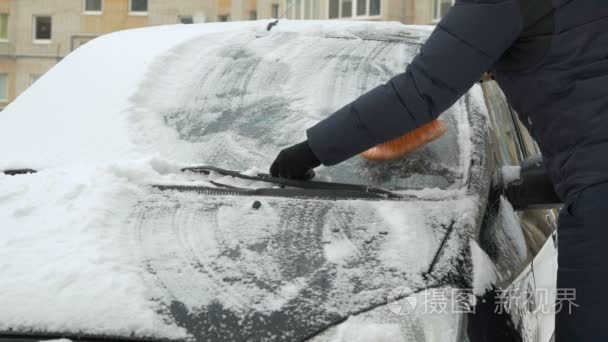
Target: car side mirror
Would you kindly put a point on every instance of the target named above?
(529, 186)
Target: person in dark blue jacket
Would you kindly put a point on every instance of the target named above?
(550, 57)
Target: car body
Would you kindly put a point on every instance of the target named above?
(111, 237)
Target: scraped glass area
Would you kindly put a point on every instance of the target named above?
(235, 100)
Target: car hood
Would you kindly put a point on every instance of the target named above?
(97, 251)
(292, 267)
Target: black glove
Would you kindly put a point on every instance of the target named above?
(295, 162)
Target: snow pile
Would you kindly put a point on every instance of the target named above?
(484, 271)
(63, 234)
(509, 221)
(62, 257)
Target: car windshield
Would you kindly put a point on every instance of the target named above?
(236, 105)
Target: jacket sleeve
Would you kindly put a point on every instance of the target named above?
(467, 42)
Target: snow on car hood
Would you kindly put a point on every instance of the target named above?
(293, 267)
(63, 260)
(168, 264)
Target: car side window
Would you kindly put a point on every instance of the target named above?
(507, 142)
(527, 143)
(513, 144)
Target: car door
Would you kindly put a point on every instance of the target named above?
(540, 229)
(514, 239)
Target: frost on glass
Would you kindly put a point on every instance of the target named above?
(235, 100)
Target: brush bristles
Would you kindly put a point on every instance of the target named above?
(406, 143)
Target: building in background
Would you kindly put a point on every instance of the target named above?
(36, 34)
(421, 12)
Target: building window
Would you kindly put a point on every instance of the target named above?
(138, 6)
(224, 17)
(298, 8)
(361, 7)
(308, 9)
(304, 9)
(253, 15)
(334, 9)
(374, 7)
(3, 87)
(353, 8)
(3, 27)
(275, 11)
(93, 6)
(347, 9)
(442, 7)
(42, 28)
(186, 19)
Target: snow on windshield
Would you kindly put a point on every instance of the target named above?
(227, 95)
(235, 100)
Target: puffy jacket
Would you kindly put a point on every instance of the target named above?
(550, 57)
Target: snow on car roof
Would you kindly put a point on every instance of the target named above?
(66, 249)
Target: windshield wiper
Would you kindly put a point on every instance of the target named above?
(289, 187)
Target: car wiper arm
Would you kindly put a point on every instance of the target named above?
(309, 185)
(273, 192)
(17, 172)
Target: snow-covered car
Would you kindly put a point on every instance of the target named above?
(135, 204)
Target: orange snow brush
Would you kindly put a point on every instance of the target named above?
(406, 143)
